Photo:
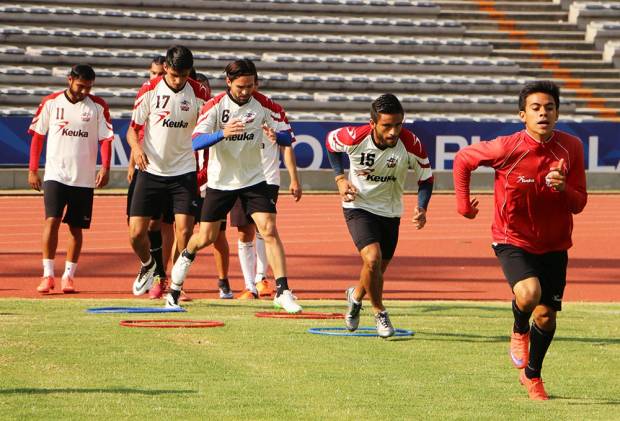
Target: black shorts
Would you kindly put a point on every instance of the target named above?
(367, 228)
(238, 218)
(78, 200)
(254, 198)
(199, 211)
(158, 196)
(167, 213)
(549, 268)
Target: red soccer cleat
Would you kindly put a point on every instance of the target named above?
(67, 285)
(47, 284)
(158, 288)
(535, 387)
(520, 349)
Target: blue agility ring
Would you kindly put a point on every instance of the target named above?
(106, 310)
(361, 331)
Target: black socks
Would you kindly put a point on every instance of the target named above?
(223, 285)
(156, 250)
(281, 285)
(539, 344)
(522, 319)
(188, 255)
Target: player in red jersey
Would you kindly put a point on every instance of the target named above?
(380, 155)
(540, 183)
(76, 123)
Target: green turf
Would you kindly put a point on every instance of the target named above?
(58, 362)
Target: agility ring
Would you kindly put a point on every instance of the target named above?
(106, 310)
(302, 315)
(361, 331)
(171, 323)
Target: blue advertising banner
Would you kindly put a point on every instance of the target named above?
(441, 139)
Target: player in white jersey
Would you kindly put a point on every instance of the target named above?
(77, 124)
(380, 154)
(167, 108)
(231, 125)
(253, 255)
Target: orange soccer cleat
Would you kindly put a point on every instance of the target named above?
(535, 387)
(520, 349)
(263, 288)
(246, 294)
(47, 284)
(158, 288)
(67, 285)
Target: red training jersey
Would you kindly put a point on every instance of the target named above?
(528, 213)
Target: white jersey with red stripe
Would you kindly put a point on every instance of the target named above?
(74, 131)
(379, 174)
(236, 161)
(168, 119)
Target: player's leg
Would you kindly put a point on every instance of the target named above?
(245, 249)
(262, 285)
(156, 249)
(221, 254)
(55, 201)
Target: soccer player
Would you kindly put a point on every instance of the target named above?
(76, 123)
(380, 154)
(540, 183)
(231, 125)
(167, 108)
(160, 230)
(253, 258)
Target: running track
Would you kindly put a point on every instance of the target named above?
(450, 259)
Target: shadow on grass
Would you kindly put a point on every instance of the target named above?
(123, 390)
(468, 337)
(574, 400)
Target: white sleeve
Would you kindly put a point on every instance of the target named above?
(40, 122)
(207, 121)
(141, 108)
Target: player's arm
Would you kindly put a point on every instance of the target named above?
(290, 162)
(206, 134)
(103, 176)
(137, 153)
(425, 191)
(335, 154)
(36, 147)
(575, 187)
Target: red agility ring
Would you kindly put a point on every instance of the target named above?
(171, 323)
(302, 315)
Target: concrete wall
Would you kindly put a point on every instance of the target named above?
(323, 180)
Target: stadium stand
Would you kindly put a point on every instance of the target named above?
(324, 59)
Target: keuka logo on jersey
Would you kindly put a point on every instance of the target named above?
(175, 124)
(380, 178)
(74, 133)
(240, 137)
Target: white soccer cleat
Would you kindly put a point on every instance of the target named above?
(180, 270)
(287, 301)
(352, 318)
(145, 279)
(384, 325)
(170, 303)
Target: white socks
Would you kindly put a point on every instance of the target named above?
(247, 259)
(70, 268)
(261, 259)
(48, 267)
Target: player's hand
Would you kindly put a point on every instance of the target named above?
(473, 204)
(269, 133)
(234, 127)
(556, 178)
(295, 189)
(131, 171)
(419, 217)
(139, 157)
(103, 176)
(346, 189)
(34, 180)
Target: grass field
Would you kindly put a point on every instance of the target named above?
(59, 362)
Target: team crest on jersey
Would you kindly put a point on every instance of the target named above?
(392, 161)
(86, 116)
(185, 105)
(248, 117)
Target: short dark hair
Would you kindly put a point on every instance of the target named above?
(385, 104)
(82, 71)
(192, 74)
(159, 60)
(238, 68)
(179, 58)
(200, 77)
(539, 86)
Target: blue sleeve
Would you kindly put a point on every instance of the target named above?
(206, 140)
(284, 138)
(336, 161)
(425, 190)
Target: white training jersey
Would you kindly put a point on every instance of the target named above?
(168, 119)
(74, 131)
(379, 175)
(236, 161)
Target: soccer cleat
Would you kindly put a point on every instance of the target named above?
(263, 288)
(286, 301)
(185, 298)
(246, 294)
(170, 303)
(352, 318)
(145, 278)
(520, 349)
(47, 284)
(180, 269)
(224, 289)
(535, 387)
(158, 288)
(384, 325)
(67, 285)
(226, 295)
